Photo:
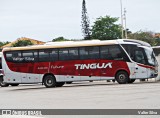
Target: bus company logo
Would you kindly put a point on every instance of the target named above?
(6, 112)
(93, 66)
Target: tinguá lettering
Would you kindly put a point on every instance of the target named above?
(93, 66)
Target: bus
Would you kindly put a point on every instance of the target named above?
(3, 84)
(156, 50)
(1, 72)
(55, 63)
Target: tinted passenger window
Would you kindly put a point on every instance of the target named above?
(44, 55)
(93, 52)
(104, 53)
(111, 53)
(14, 57)
(29, 56)
(63, 54)
(73, 53)
(83, 51)
(115, 53)
(54, 55)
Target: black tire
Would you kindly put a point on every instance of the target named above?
(131, 80)
(14, 84)
(122, 77)
(2, 84)
(68, 82)
(142, 80)
(60, 84)
(49, 81)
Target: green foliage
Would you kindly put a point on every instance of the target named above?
(3, 43)
(60, 39)
(22, 43)
(104, 28)
(157, 41)
(146, 36)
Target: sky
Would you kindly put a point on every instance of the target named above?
(45, 20)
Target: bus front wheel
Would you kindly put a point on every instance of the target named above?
(2, 84)
(49, 81)
(122, 77)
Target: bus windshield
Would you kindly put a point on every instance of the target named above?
(150, 56)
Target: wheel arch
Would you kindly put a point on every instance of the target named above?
(128, 73)
(46, 75)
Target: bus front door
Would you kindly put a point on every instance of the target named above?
(140, 67)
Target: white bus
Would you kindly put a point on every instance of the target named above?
(1, 72)
(56, 63)
(156, 50)
(2, 84)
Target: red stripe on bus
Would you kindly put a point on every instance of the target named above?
(106, 68)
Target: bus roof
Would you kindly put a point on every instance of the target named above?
(66, 44)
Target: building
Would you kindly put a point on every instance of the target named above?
(35, 42)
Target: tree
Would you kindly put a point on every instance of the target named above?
(22, 43)
(104, 28)
(3, 43)
(85, 22)
(60, 39)
(147, 36)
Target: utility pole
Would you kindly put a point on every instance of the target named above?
(85, 22)
(121, 17)
(125, 25)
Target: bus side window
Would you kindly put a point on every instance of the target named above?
(44, 55)
(28, 56)
(93, 52)
(83, 51)
(117, 53)
(63, 54)
(14, 56)
(73, 54)
(54, 55)
(139, 57)
(104, 53)
(9, 57)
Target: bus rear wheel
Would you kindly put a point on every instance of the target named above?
(122, 77)
(2, 84)
(49, 81)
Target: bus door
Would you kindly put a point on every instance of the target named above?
(140, 68)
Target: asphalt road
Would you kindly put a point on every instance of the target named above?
(83, 95)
